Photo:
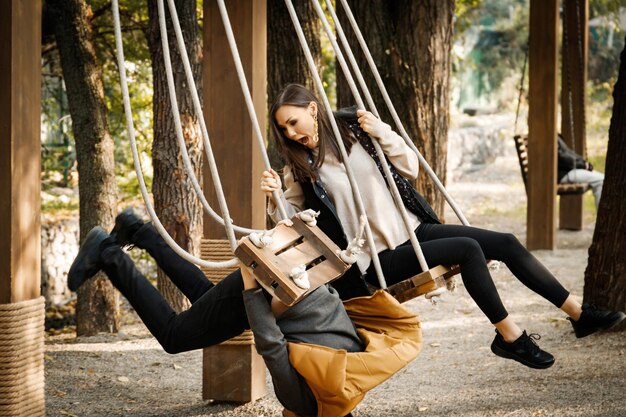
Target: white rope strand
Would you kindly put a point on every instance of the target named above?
(131, 136)
(193, 90)
(248, 98)
(167, 61)
(396, 118)
(379, 151)
(355, 191)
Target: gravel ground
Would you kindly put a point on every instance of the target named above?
(128, 374)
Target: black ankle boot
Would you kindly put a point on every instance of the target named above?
(524, 350)
(87, 264)
(126, 225)
(594, 319)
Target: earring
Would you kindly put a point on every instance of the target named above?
(316, 136)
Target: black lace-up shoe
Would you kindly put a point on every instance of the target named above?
(594, 319)
(126, 224)
(524, 350)
(86, 264)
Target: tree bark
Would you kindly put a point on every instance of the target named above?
(175, 200)
(285, 60)
(97, 309)
(410, 42)
(605, 276)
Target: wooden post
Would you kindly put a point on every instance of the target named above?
(240, 166)
(543, 58)
(577, 20)
(21, 307)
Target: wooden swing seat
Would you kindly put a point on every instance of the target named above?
(292, 246)
(422, 283)
(521, 146)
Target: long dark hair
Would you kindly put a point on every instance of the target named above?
(295, 154)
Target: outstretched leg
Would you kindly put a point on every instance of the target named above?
(131, 230)
(216, 316)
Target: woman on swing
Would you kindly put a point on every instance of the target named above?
(315, 178)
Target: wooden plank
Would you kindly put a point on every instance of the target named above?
(570, 212)
(20, 142)
(304, 253)
(238, 158)
(233, 143)
(327, 247)
(284, 236)
(576, 18)
(542, 131)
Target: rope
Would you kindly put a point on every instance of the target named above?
(22, 358)
(131, 136)
(176, 116)
(379, 151)
(394, 113)
(248, 98)
(355, 191)
(205, 134)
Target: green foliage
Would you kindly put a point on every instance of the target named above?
(58, 142)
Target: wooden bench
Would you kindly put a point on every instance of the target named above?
(521, 146)
(570, 207)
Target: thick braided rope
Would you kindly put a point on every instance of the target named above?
(21, 358)
(220, 249)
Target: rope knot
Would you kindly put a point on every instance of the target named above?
(300, 277)
(309, 216)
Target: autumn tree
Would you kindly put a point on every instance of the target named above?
(174, 197)
(605, 276)
(97, 309)
(411, 43)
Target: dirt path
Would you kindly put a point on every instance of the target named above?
(456, 375)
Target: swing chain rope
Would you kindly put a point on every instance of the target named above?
(344, 155)
(396, 118)
(131, 136)
(379, 152)
(248, 98)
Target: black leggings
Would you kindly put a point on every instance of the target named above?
(217, 312)
(469, 247)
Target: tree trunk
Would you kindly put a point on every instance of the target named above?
(285, 60)
(605, 276)
(97, 309)
(175, 200)
(410, 42)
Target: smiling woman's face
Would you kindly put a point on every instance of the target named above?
(297, 123)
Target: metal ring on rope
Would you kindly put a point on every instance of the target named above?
(22, 358)
(131, 135)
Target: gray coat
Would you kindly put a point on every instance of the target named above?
(319, 319)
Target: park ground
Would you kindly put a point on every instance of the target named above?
(128, 374)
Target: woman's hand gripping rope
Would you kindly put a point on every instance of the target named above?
(372, 125)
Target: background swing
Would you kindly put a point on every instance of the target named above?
(570, 214)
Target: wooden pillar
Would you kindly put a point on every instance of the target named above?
(21, 307)
(542, 128)
(577, 20)
(240, 166)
